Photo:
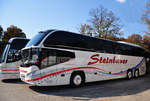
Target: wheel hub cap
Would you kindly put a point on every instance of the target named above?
(77, 80)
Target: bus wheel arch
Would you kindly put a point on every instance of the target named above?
(77, 79)
(129, 74)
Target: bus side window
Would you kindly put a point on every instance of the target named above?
(63, 56)
(48, 58)
(51, 57)
(117, 49)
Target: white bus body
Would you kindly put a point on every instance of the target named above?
(75, 66)
(10, 62)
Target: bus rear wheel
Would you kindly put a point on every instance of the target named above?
(129, 74)
(136, 73)
(77, 79)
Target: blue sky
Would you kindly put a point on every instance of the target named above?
(35, 15)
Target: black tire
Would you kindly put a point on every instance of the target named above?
(136, 73)
(77, 79)
(129, 74)
(147, 67)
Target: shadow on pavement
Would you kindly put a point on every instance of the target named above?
(18, 81)
(119, 87)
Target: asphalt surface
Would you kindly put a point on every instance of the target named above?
(137, 89)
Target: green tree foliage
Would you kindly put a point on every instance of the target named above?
(1, 32)
(146, 42)
(86, 29)
(1, 45)
(146, 20)
(102, 23)
(135, 38)
(13, 31)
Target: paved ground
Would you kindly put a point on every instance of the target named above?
(115, 90)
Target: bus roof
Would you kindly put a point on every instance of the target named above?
(131, 44)
(14, 38)
(83, 36)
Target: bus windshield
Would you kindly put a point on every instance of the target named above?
(36, 39)
(30, 57)
(5, 53)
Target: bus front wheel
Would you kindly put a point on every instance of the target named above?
(77, 79)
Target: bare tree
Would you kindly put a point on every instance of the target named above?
(102, 23)
(86, 29)
(145, 17)
(135, 38)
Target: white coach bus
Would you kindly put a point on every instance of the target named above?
(11, 59)
(55, 57)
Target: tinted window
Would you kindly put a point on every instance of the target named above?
(137, 51)
(18, 44)
(69, 40)
(51, 57)
(61, 38)
(124, 49)
(30, 57)
(76, 41)
(106, 47)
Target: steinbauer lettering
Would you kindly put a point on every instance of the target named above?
(97, 59)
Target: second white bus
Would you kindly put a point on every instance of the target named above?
(57, 57)
(11, 58)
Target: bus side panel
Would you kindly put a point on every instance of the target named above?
(98, 69)
(142, 68)
(49, 80)
(94, 72)
(101, 70)
(11, 70)
(63, 78)
(81, 60)
(71, 66)
(55, 75)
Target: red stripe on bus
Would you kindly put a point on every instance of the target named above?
(23, 71)
(66, 70)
